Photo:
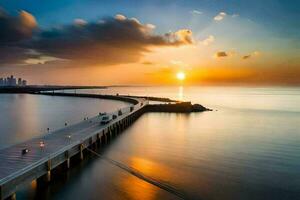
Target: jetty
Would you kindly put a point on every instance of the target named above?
(37, 158)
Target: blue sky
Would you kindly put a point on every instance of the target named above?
(279, 16)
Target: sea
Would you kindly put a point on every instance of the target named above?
(248, 147)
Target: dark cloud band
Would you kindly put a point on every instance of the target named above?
(106, 42)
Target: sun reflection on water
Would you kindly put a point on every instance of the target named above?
(180, 93)
(140, 189)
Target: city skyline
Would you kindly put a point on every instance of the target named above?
(12, 81)
(150, 43)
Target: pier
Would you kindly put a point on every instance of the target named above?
(37, 158)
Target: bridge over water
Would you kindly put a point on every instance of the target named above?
(47, 152)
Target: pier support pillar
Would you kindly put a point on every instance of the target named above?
(81, 151)
(108, 136)
(103, 139)
(122, 125)
(113, 131)
(110, 133)
(68, 163)
(98, 140)
(90, 143)
(118, 128)
(48, 175)
(68, 159)
(95, 144)
(46, 178)
(12, 197)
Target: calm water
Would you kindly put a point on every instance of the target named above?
(248, 148)
(25, 116)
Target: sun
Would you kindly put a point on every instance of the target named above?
(180, 76)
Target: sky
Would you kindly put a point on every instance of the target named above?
(129, 42)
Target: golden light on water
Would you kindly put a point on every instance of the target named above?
(180, 76)
(180, 93)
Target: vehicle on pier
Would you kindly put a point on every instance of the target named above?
(105, 119)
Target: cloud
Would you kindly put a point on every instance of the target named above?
(116, 40)
(151, 26)
(40, 60)
(220, 16)
(210, 39)
(16, 28)
(255, 53)
(148, 63)
(246, 57)
(235, 15)
(80, 22)
(113, 40)
(12, 54)
(231, 53)
(183, 36)
(221, 54)
(196, 12)
(120, 17)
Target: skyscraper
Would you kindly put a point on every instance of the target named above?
(19, 81)
(24, 83)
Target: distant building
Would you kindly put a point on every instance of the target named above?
(19, 81)
(12, 81)
(24, 82)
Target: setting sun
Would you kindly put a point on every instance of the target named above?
(180, 76)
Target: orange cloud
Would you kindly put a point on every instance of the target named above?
(255, 53)
(221, 54)
(183, 36)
